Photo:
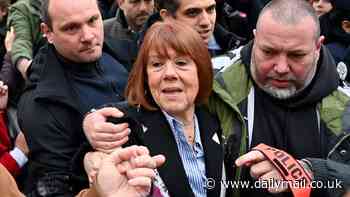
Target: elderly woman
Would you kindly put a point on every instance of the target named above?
(168, 85)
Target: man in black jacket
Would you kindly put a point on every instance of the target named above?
(121, 31)
(68, 77)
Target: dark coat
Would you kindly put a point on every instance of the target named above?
(227, 40)
(12, 78)
(120, 42)
(50, 115)
(336, 168)
(159, 139)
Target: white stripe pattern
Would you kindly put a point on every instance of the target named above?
(192, 157)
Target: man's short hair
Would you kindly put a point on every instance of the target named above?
(291, 12)
(170, 5)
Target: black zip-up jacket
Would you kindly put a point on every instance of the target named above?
(50, 115)
(120, 42)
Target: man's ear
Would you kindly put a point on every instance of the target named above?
(345, 24)
(319, 42)
(254, 32)
(119, 2)
(165, 14)
(47, 32)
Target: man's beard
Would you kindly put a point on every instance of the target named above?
(283, 93)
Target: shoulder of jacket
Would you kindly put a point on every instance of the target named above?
(334, 110)
(226, 60)
(338, 99)
(23, 6)
(109, 23)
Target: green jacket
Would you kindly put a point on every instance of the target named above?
(231, 88)
(24, 16)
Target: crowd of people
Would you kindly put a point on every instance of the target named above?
(104, 98)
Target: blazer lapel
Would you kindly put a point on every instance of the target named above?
(160, 140)
(210, 136)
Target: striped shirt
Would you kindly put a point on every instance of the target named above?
(192, 157)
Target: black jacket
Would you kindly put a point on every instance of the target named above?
(120, 42)
(226, 40)
(336, 169)
(151, 129)
(50, 115)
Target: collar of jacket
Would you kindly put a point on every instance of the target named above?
(161, 132)
(121, 18)
(49, 79)
(227, 40)
(232, 84)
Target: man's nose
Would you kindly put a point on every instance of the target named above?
(281, 66)
(143, 6)
(87, 34)
(204, 19)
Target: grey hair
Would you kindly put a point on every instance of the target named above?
(291, 12)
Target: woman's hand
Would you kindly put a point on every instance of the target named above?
(127, 172)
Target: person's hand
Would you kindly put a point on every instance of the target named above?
(127, 172)
(10, 37)
(22, 66)
(262, 169)
(105, 136)
(4, 94)
(21, 143)
(92, 163)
